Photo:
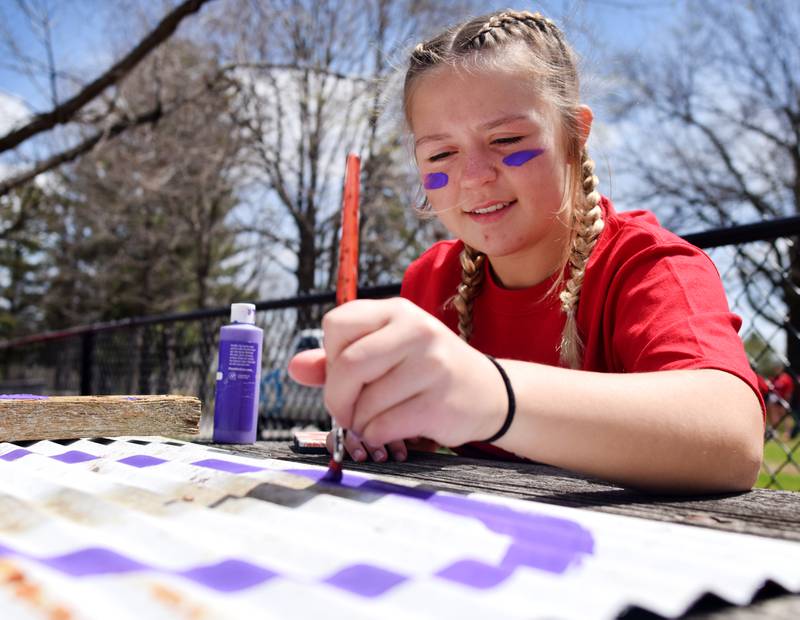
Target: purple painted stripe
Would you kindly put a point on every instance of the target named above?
(141, 460)
(74, 456)
(229, 575)
(551, 544)
(435, 180)
(16, 454)
(521, 157)
(92, 561)
(225, 576)
(476, 574)
(366, 580)
(229, 466)
(22, 397)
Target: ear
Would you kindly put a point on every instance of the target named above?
(585, 118)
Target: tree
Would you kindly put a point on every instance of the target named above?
(64, 112)
(720, 104)
(312, 77)
(24, 214)
(144, 220)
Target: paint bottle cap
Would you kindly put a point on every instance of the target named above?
(243, 313)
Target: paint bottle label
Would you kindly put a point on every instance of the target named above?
(238, 378)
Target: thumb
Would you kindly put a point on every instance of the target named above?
(308, 367)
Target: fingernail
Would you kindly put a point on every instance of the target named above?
(359, 455)
(399, 456)
(379, 455)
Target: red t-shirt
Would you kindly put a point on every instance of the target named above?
(650, 301)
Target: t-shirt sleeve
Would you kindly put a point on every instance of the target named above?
(670, 312)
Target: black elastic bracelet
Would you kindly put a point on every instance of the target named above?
(512, 403)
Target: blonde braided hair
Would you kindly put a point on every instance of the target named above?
(549, 57)
(471, 279)
(587, 218)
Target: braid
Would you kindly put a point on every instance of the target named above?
(588, 224)
(471, 280)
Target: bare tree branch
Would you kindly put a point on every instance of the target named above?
(151, 116)
(64, 112)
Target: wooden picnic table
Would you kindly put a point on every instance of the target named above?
(774, 514)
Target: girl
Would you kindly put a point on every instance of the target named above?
(552, 328)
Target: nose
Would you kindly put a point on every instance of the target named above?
(479, 169)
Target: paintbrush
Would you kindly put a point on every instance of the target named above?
(346, 284)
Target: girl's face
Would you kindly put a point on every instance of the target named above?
(492, 160)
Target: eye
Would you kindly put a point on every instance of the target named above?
(440, 156)
(511, 140)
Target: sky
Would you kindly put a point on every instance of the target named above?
(83, 29)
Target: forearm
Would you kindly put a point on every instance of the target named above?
(675, 431)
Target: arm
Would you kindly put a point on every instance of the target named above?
(391, 371)
(672, 431)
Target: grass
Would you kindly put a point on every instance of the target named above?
(788, 478)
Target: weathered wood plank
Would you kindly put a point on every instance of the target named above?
(67, 417)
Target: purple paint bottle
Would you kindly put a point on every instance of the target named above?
(238, 377)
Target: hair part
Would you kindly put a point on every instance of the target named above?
(531, 43)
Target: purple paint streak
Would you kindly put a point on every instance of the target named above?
(22, 397)
(435, 180)
(16, 454)
(476, 574)
(366, 580)
(521, 157)
(229, 575)
(92, 561)
(228, 466)
(74, 456)
(551, 544)
(141, 460)
(225, 576)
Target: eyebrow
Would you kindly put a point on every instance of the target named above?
(490, 125)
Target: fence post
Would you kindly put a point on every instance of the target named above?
(87, 363)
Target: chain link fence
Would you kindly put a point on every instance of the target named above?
(759, 265)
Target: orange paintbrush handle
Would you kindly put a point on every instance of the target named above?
(347, 278)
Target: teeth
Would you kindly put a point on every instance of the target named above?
(492, 209)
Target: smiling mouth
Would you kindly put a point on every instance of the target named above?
(492, 209)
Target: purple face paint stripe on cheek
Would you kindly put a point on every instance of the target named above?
(521, 157)
(435, 180)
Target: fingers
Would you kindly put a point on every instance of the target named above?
(362, 363)
(395, 421)
(359, 451)
(308, 367)
(349, 322)
(398, 450)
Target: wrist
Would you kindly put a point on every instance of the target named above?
(502, 423)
